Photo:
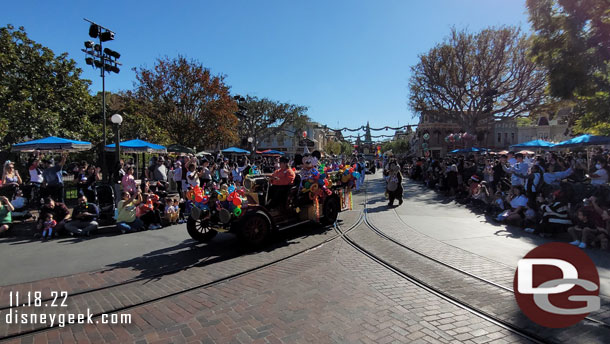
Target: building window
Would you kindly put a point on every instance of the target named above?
(512, 137)
(499, 137)
(505, 137)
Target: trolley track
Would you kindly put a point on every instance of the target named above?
(382, 234)
(215, 282)
(404, 273)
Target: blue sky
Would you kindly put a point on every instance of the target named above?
(348, 61)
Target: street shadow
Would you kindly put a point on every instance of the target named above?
(190, 254)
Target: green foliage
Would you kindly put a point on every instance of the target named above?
(260, 118)
(525, 121)
(572, 41)
(41, 94)
(346, 148)
(401, 146)
(193, 106)
(469, 79)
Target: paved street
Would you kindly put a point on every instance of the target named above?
(312, 286)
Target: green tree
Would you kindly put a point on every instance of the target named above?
(193, 106)
(333, 147)
(260, 118)
(41, 94)
(346, 148)
(470, 79)
(136, 123)
(572, 41)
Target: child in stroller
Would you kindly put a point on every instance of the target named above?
(20, 204)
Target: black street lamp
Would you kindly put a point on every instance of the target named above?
(106, 60)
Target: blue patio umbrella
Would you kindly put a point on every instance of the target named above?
(138, 146)
(584, 140)
(534, 144)
(235, 150)
(52, 143)
(469, 150)
(272, 152)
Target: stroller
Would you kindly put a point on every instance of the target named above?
(105, 200)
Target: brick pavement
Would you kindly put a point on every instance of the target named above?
(491, 270)
(479, 295)
(329, 295)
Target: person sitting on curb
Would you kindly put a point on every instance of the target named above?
(126, 219)
(588, 224)
(60, 212)
(5, 214)
(84, 218)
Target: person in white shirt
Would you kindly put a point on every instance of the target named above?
(193, 175)
(518, 170)
(600, 176)
(178, 177)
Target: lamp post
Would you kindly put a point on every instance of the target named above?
(116, 120)
(105, 60)
(250, 143)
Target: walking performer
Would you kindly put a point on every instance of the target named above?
(394, 183)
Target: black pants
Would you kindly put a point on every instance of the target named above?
(395, 195)
(278, 194)
(151, 217)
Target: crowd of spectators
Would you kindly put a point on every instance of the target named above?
(545, 194)
(148, 197)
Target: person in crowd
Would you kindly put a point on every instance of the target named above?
(159, 171)
(282, 180)
(224, 172)
(81, 178)
(126, 218)
(555, 217)
(60, 212)
(93, 175)
(10, 180)
(149, 212)
(129, 182)
(36, 179)
(170, 213)
(600, 176)
(518, 207)
(236, 173)
(84, 218)
(179, 210)
(54, 180)
(588, 224)
(204, 174)
(6, 219)
(195, 174)
(117, 178)
(518, 170)
(178, 177)
(47, 226)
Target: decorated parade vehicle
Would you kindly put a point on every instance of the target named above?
(317, 195)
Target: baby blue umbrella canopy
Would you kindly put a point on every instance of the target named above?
(235, 150)
(52, 143)
(138, 146)
(584, 140)
(534, 144)
(272, 152)
(469, 150)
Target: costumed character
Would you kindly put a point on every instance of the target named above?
(394, 183)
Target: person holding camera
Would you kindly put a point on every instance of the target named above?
(194, 174)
